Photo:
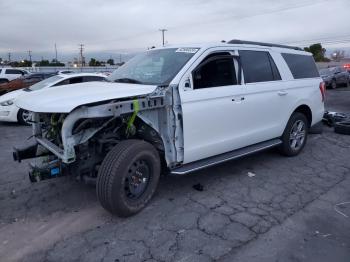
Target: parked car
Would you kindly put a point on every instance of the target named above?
(335, 76)
(8, 74)
(183, 108)
(23, 81)
(9, 112)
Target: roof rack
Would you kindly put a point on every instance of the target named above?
(243, 42)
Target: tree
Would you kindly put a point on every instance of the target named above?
(110, 61)
(23, 63)
(318, 52)
(94, 62)
(43, 63)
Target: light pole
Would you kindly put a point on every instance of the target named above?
(163, 31)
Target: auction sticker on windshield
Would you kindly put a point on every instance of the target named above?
(187, 50)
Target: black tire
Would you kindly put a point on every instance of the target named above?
(342, 128)
(334, 84)
(286, 147)
(118, 171)
(21, 117)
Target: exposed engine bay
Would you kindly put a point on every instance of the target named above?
(76, 143)
(107, 132)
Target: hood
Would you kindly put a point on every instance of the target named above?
(63, 99)
(11, 95)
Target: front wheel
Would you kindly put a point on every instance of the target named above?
(23, 117)
(128, 177)
(295, 135)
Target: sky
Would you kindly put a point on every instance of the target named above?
(114, 28)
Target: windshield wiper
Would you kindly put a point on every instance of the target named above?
(27, 89)
(127, 80)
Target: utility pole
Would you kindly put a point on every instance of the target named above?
(30, 56)
(163, 31)
(56, 53)
(9, 55)
(120, 58)
(81, 49)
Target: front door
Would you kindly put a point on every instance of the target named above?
(213, 107)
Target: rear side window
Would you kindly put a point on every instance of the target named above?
(301, 66)
(13, 72)
(258, 66)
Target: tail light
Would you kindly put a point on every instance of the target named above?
(323, 90)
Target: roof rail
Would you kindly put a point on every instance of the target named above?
(243, 42)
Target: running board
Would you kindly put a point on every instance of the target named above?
(215, 160)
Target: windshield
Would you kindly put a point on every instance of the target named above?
(44, 83)
(154, 67)
(324, 72)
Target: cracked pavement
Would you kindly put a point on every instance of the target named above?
(274, 215)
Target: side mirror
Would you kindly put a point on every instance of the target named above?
(187, 83)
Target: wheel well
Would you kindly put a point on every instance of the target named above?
(306, 111)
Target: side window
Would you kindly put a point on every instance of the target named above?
(215, 70)
(301, 66)
(258, 66)
(13, 72)
(61, 83)
(76, 80)
(92, 78)
(0, 71)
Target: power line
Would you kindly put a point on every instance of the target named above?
(235, 17)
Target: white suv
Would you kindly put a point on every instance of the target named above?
(8, 74)
(179, 108)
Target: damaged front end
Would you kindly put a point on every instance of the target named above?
(76, 143)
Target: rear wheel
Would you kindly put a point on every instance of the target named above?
(333, 84)
(23, 117)
(128, 177)
(295, 135)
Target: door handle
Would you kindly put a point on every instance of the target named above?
(238, 99)
(282, 93)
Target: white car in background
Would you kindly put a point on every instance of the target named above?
(9, 112)
(8, 74)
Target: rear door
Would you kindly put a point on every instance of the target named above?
(266, 95)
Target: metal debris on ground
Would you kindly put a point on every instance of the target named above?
(251, 174)
(198, 187)
(330, 118)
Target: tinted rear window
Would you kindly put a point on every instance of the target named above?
(13, 72)
(258, 66)
(301, 66)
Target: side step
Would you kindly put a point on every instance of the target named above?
(214, 160)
